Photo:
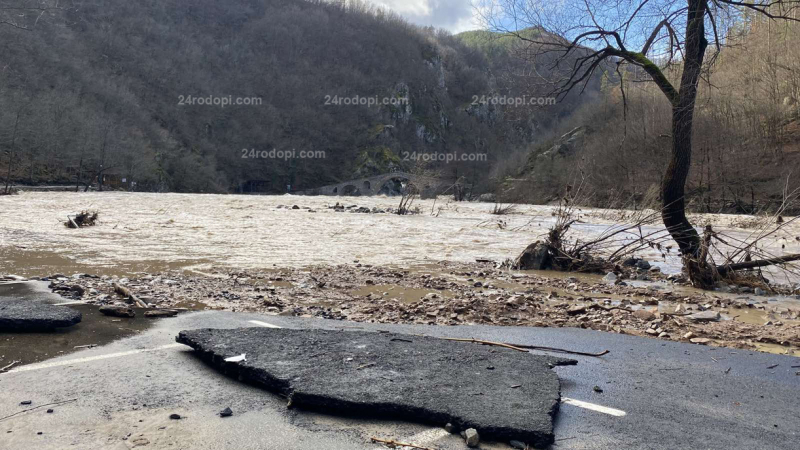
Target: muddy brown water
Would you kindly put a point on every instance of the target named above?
(95, 329)
(44, 263)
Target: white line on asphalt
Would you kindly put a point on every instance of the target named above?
(264, 324)
(593, 407)
(47, 365)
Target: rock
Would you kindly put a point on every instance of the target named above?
(518, 445)
(702, 341)
(580, 309)
(642, 264)
(759, 291)
(450, 428)
(25, 402)
(49, 411)
(651, 331)
(155, 313)
(23, 315)
(14, 278)
(175, 416)
(644, 314)
(598, 389)
(655, 269)
(117, 311)
(227, 412)
(688, 335)
(441, 390)
(535, 257)
(630, 262)
(77, 290)
(472, 437)
(610, 277)
(704, 316)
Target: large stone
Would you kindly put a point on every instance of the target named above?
(504, 393)
(704, 316)
(24, 315)
(535, 257)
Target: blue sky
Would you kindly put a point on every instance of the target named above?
(452, 15)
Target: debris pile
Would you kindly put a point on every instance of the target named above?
(457, 294)
(84, 219)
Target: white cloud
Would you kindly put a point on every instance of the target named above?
(452, 15)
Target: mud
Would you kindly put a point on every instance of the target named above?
(457, 294)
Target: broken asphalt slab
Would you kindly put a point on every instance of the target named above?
(503, 393)
(24, 315)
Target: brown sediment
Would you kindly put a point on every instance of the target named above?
(478, 293)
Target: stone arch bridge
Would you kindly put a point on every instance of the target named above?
(428, 187)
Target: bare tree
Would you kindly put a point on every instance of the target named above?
(580, 38)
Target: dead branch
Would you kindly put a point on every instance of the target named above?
(125, 292)
(478, 341)
(392, 443)
(37, 407)
(8, 366)
(561, 350)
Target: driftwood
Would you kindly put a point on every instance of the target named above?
(161, 313)
(125, 292)
(728, 268)
(117, 311)
(84, 219)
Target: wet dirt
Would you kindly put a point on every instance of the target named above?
(478, 293)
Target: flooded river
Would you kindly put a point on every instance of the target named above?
(142, 232)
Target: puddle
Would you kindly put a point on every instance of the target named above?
(777, 349)
(94, 329)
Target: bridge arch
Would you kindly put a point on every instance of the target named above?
(351, 190)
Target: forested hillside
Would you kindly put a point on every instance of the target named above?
(96, 90)
(746, 134)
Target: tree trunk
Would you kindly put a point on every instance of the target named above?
(673, 187)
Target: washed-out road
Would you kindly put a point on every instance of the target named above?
(655, 394)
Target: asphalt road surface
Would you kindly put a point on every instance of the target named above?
(655, 394)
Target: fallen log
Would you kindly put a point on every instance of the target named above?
(161, 313)
(125, 292)
(117, 311)
(728, 268)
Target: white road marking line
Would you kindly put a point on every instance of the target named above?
(593, 407)
(47, 365)
(69, 303)
(263, 324)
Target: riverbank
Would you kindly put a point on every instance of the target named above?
(449, 293)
